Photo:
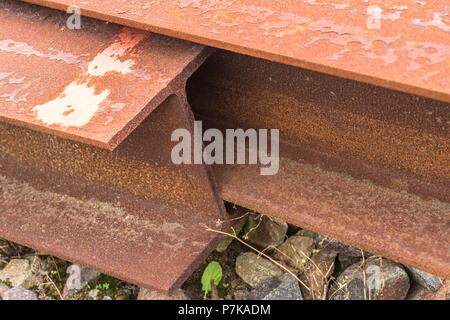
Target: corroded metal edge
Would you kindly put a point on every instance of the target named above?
(308, 34)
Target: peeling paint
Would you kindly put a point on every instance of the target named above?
(79, 102)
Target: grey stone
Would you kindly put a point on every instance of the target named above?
(153, 294)
(226, 241)
(295, 251)
(265, 232)
(19, 273)
(340, 247)
(106, 298)
(240, 294)
(255, 270)
(5, 248)
(19, 293)
(88, 275)
(284, 287)
(346, 261)
(384, 280)
(425, 279)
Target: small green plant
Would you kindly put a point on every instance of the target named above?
(212, 272)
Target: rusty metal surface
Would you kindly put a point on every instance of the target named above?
(409, 52)
(93, 85)
(130, 213)
(393, 139)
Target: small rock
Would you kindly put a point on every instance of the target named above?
(324, 242)
(305, 292)
(346, 261)
(255, 270)
(388, 282)
(318, 271)
(5, 248)
(227, 240)
(425, 279)
(240, 294)
(93, 293)
(122, 296)
(265, 232)
(88, 275)
(106, 298)
(78, 278)
(19, 273)
(295, 251)
(417, 292)
(152, 294)
(284, 287)
(19, 293)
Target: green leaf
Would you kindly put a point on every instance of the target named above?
(212, 272)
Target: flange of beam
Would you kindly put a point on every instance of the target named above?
(361, 164)
(394, 44)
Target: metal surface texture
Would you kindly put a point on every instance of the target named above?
(362, 164)
(396, 140)
(86, 118)
(398, 44)
(93, 85)
(401, 227)
(131, 212)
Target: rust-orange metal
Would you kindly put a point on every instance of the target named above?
(131, 212)
(361, 164)
(399, 44)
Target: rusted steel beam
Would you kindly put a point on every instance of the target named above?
(394, 139)
(395, 44)
(362, 164)
(398, 226)
(93, 85)
(130, 212)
